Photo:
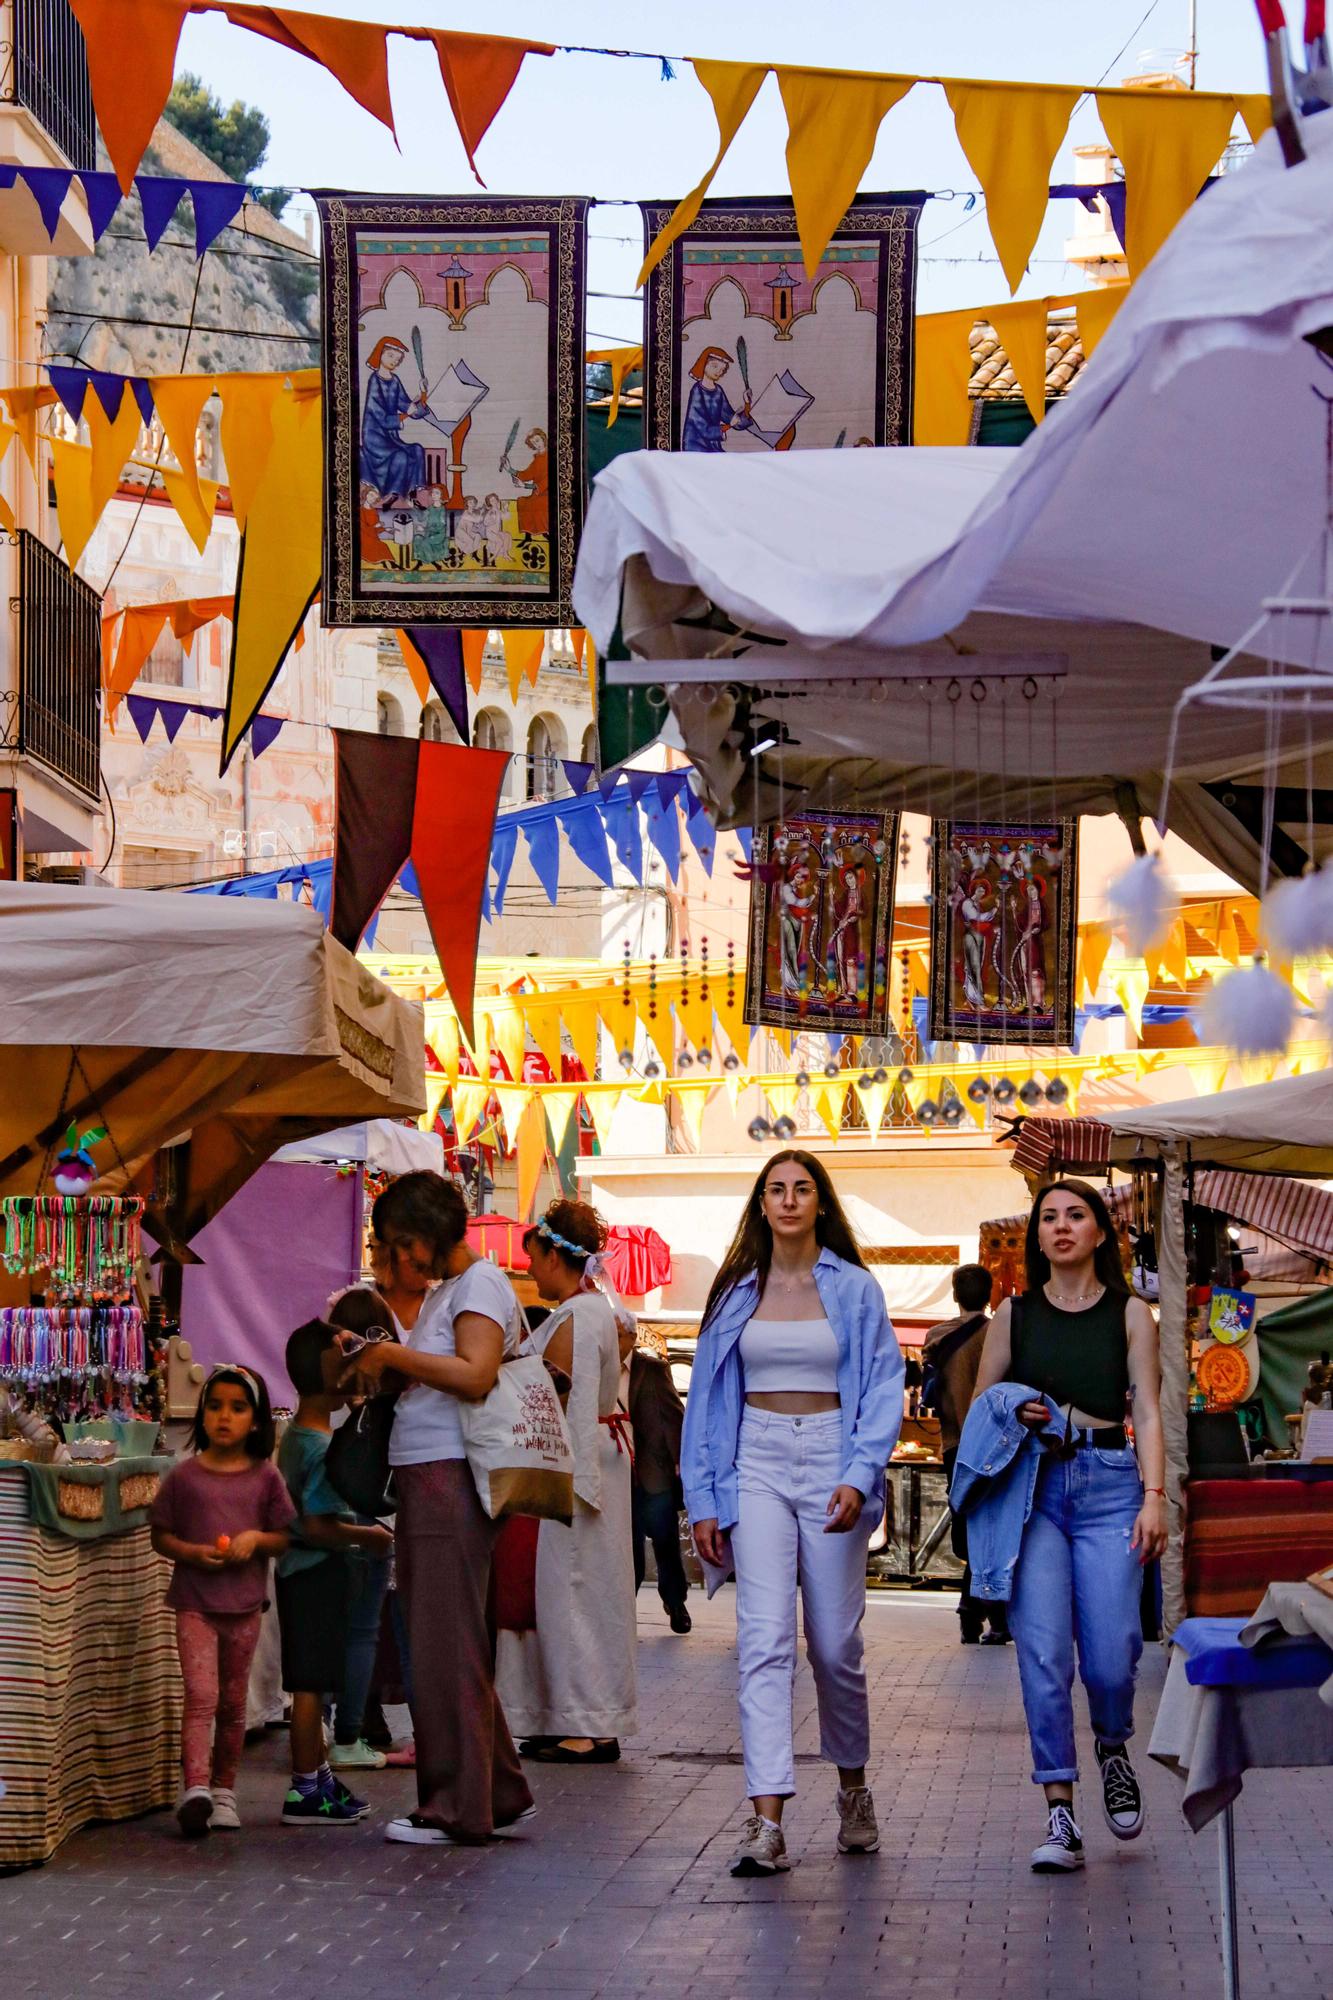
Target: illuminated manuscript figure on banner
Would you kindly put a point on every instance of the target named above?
(453, 375)
(1003, 932)
(745, 353)
(821, 918)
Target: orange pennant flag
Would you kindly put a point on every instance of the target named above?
(179, 401)
(355, 52)
(733, 88)
(195, 502)
(833, 120)
(131, 60)
(478, 72)
(523, 656)
(140, 631)
(416, 666)
(1094, 311)
(1020, 328)
(474, 639)
(23, 406)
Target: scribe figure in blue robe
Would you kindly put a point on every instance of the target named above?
(386, 461)
(709, 414)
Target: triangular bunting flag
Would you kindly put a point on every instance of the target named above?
(264, 732)
(72, 468)
(733, 88)
(1011, 133)
(71, 385)
(478, 73)
(173, 714)
(440, 648)
(523, 656)
(457, 793)
(583, 1025)
(602, 1100)
(833, 120)
(159, 198)
(1168, 143)
(48, 187)
(194, 502)
(143, 712)
(216, 204)
(559, 1107)
(102, 193)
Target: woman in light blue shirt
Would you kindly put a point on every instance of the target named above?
(795, 1403)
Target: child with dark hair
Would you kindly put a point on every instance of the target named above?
(219, 1515)
(313, 1578)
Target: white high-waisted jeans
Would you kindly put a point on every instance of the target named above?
(788, 1468)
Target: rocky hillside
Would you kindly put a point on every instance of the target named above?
(126, 309)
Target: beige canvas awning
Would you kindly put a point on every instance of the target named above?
(237, 1023)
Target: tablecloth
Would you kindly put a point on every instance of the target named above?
(1299, 1610)
(1210, 1736)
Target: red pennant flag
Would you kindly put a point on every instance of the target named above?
(479, 72)
(453, 823)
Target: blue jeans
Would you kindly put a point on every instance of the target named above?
(367, 1581)
(1078, 1579)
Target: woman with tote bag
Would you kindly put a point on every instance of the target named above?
(469, 1780)
(569, 1686)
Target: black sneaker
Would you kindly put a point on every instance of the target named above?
(1062, 1848)
(317, 1808)
(1122, 1801)
(358, 1808)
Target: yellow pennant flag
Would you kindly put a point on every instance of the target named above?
(1020, 328)
(660, 1030)
(507, 1034)
(8, 433)
(1256, 112)
(1168, 143)
(543, 1023)
(1093, 945)
(602, 1100)
(530, 1145)
(559, 1106)
(1131, 990)
(692, 1101)
(872, 1097)
(194, 502)
(1094, 311)
(470, 1100)
(942, 369)
(782, 1094)
(833, 120)
(513, 1100)
(733, 88)
(249, 412)
(523, 657)
(829, 1097)
(179, 401)
(583, 1026)
(736, 1081)
(72, 466)
(436, 1086)
(695, 1012)
(622, 361)
(1011, 133)
(443, 1038)
(112, 445)
(280, 563)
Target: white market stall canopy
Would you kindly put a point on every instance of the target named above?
(377, 1143)
(241, 1024)
(1141, 525)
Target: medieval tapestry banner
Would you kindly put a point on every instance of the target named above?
(744, 353)
(1004, 926)
(453, 376)
(821, 921)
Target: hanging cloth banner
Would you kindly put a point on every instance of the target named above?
(1004, 926)
(454, 447)
(432, 802)
(821, 923)
(132, 57)
(732, 377)
(278, 573)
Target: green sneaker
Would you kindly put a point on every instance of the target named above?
(318, 1808)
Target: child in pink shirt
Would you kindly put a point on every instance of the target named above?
(219, 1515)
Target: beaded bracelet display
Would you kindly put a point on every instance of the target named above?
(88, 1243)
(87, 1352)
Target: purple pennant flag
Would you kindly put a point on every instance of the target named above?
(142, 711)
(609, 781)
(263, 731)
(71, 385)
(109, 390)
(640, 782)
(441, 647)
(159, 200)
(142, 392)
(173, 713)
(49, 186)
(102, 193)
(8, 176)
(579, 775)
(216, 203)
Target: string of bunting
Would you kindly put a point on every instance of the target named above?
(216, 203)
(1168, 140)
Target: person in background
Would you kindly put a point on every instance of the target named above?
(363, 1311)
(795, 1405)
(656, 1415)
(1077, 1338)
(218, 1517)
(569, 1686)
(469, 1780)
(313, 1579)
(950, 1358)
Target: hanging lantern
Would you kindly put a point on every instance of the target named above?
(881, 1076)
(758, 1129)
(927, 1111)
(704, 1056)
(784, 1128)
(1005, 1091)
(978, 1090)
(802, 1079)
(652, 1070)
(1057, 1090)
(626, 1059)
(831, 1070)
(731, 1060)
(864, 1081)
(1031, 1092)
(684, 1060)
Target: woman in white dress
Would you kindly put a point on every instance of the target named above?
(568, 1688)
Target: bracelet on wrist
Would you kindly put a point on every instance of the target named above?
(1159, 1490)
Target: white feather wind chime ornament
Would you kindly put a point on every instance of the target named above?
(1297, 915)
(1142, 899)
(1250, 1011)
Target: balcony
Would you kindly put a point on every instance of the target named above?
(59, 659)
(46, 120)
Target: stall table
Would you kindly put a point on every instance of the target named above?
(917, 1519)
(90, 1719)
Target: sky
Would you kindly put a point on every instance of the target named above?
(590, 125)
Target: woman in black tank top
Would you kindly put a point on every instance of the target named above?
(1077, 1339)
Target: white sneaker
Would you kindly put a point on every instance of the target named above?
(356, 1756)
(1062, 1848)
(417, 1833)
(858, 1829)
(194, 1810)
(1122, 1801)
(762, 1849)
(225, 1814)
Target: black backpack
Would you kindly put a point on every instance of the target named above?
(357, 1460)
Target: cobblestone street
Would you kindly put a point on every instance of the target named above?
(621, 1886)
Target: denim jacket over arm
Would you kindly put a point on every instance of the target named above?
(994, 1479)
(870, 1387)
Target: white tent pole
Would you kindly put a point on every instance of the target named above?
(1172, 1320)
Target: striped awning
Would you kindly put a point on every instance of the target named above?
(1046, 1143)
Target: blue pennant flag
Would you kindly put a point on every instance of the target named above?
(586, 834)
(102, 193)
(664, 832)
(216, 203)
(622, 823)
(503, 848)
(48, 186)
(263, 731)
(702, 832)
(109, 390)
(745, 835)
(641, 783)
(71, 385)
(580, 776)
(159, 200)
(543, 838)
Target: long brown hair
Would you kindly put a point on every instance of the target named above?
(1105, 1258)
(752, 1245)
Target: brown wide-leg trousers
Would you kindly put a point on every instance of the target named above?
(469, 1780)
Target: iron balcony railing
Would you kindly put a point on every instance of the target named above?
(60, 657)
(46, 71)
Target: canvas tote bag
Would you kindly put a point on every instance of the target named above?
(517, 1444)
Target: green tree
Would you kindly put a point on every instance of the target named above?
(235, 138)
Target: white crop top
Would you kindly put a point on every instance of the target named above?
(787, 1354)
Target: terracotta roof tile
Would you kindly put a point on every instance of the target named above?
(993, 377)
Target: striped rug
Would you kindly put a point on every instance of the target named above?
(89, 1683)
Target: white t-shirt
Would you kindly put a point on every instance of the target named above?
(425, 1424)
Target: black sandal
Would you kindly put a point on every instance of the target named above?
(556, 1753)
